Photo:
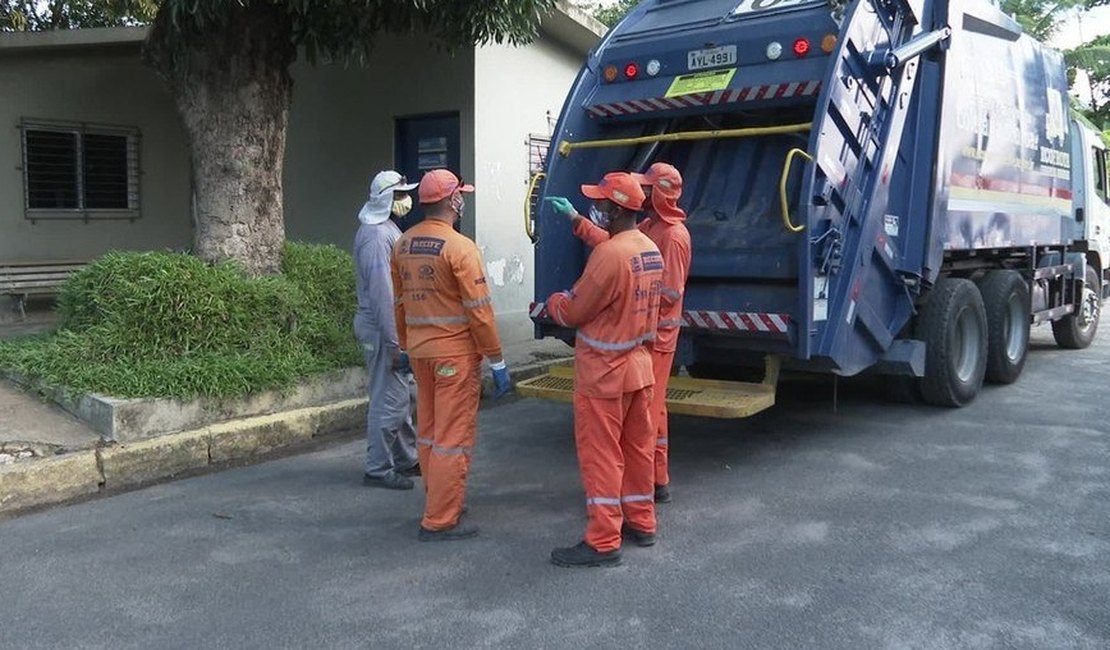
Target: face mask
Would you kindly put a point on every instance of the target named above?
(459, 205)
(401, 207)
(600, 219)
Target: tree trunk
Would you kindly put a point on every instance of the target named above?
(230, 80)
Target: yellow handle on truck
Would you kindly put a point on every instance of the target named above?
(786, 221)
(566, 146)
(529, 225)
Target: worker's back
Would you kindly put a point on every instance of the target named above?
(612, 353)
(444, 299)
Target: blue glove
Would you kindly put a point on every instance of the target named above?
(502, 384)
(401, 363)
(561, 205)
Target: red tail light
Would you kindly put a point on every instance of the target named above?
(801, 47)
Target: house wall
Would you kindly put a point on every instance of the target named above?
(342, 125)
(341, 132)
(517, 92)
(96, 86)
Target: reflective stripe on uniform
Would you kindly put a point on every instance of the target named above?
(477, 303)
(674, 322)
(618, 346)
(426, 442)
(671, 293)
(603, 501)
(435, 320)
(480, 302)
(451, 451)
(661, 442)
(636, 498)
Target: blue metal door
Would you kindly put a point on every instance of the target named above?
(858, 299)
(423, 143)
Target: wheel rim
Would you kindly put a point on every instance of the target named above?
(1014, 326)
(966, 341)
(1088, 310)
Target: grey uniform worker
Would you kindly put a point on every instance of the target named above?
(390, 433)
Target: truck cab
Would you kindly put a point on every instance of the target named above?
(1091, 198)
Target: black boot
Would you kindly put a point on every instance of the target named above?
(637, 537)
(584, 555)
(411, 472)
(453, 534)
(662, 494)
(391, 481)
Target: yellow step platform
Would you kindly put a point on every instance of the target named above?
(685, 396)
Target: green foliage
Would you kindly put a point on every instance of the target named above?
(1042, 18)
(1039, 18)
(325, 276)
(169, 325)
(1093, 58)
(37, 15)
(347, 29)
(610, 13)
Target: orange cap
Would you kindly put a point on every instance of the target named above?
(618, 187)
(663, 179)
(439, 184)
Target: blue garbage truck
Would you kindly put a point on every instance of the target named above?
(891, 186)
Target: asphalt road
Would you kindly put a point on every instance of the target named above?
(876, 526)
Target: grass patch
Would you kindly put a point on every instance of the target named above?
(170, 325)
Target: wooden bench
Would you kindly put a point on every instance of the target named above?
(21, 280)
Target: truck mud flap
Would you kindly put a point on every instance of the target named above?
(685, 396)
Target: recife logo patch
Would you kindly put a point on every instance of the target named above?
(652, 260)
(426, 246)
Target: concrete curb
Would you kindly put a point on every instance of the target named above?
(34, 483)
(133, 419)
(116, 466)
(27, 484)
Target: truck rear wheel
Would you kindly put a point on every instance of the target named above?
(1076, 331)
(953, 325)
(1006, 300)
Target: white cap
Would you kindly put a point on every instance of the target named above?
(380, 201)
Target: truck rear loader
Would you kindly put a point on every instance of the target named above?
(890, 186)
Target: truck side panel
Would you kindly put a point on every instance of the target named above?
(1004, 177)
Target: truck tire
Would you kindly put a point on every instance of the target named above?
(1076, 331)
(1006, 300)
(953, 325)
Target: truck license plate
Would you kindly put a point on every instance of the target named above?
(711, 58)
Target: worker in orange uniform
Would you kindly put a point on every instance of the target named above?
(615, 308)
(665, 226)
(445, 323)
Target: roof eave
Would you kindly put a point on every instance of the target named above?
(73, 38)
(573, 27)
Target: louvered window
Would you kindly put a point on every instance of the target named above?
(80, 171)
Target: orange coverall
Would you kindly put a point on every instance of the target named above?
(673, 240)
(445, 321)
(615, 306)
